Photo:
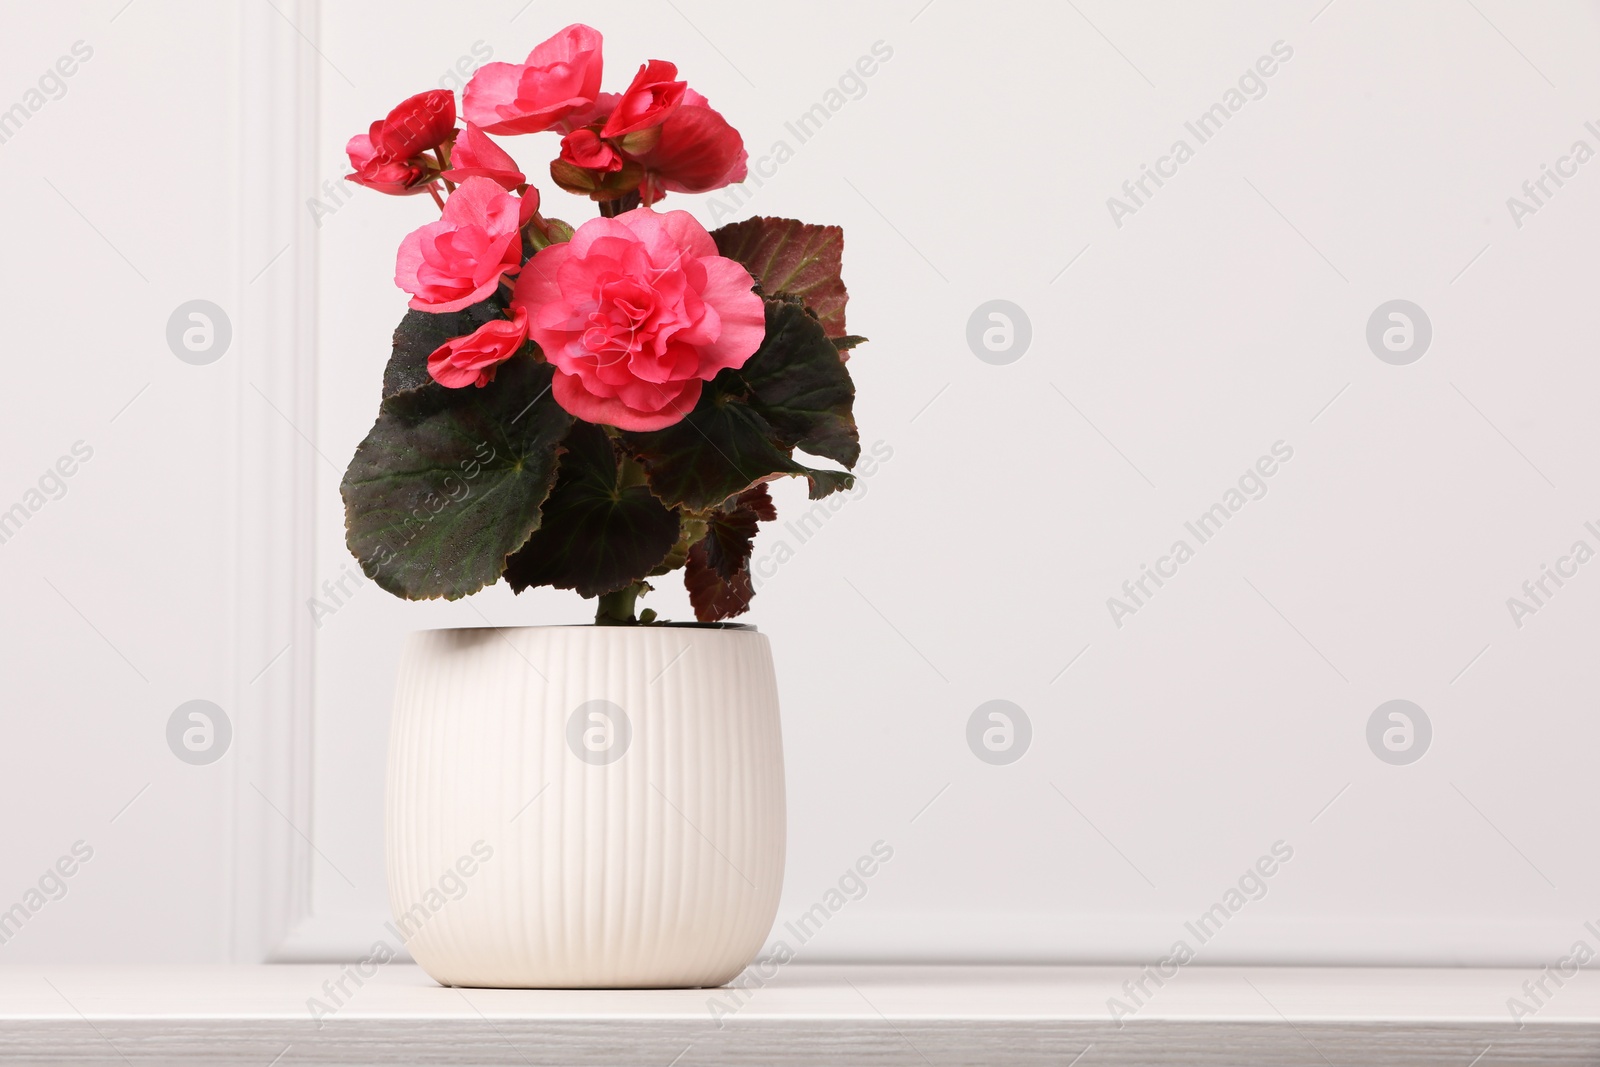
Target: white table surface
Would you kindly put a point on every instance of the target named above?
(806, 1014)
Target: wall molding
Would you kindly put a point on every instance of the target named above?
(276, 406)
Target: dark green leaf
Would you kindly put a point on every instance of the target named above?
(788, 256)
(721, 448)
(449, 482)
(799, 384)
(824, 482)
(597, 536)
(420, 334)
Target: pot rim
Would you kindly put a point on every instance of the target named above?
(734, 627)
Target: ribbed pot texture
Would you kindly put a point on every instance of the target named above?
(585, 806)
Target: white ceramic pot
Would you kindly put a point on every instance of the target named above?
(585, 806)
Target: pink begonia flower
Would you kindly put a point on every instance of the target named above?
(635, 313)
(385, 157)
(653, 95)
(698, 152)
(474, 155)
(457, 261)
(561, 76)
(584, 148)
(473, 359)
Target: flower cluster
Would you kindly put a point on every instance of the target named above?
(638, 310)
(658, 136)
(586, 353)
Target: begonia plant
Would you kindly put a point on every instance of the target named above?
(592, 408)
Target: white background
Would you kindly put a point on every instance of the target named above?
(1225, 315)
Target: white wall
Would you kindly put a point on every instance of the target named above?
(120, 203)
(1226, 314)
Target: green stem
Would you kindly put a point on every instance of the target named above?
(616, 609)
(444, 164)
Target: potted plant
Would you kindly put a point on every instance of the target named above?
(590, 409)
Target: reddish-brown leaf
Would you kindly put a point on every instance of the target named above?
(789, 256)
(714, 597)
